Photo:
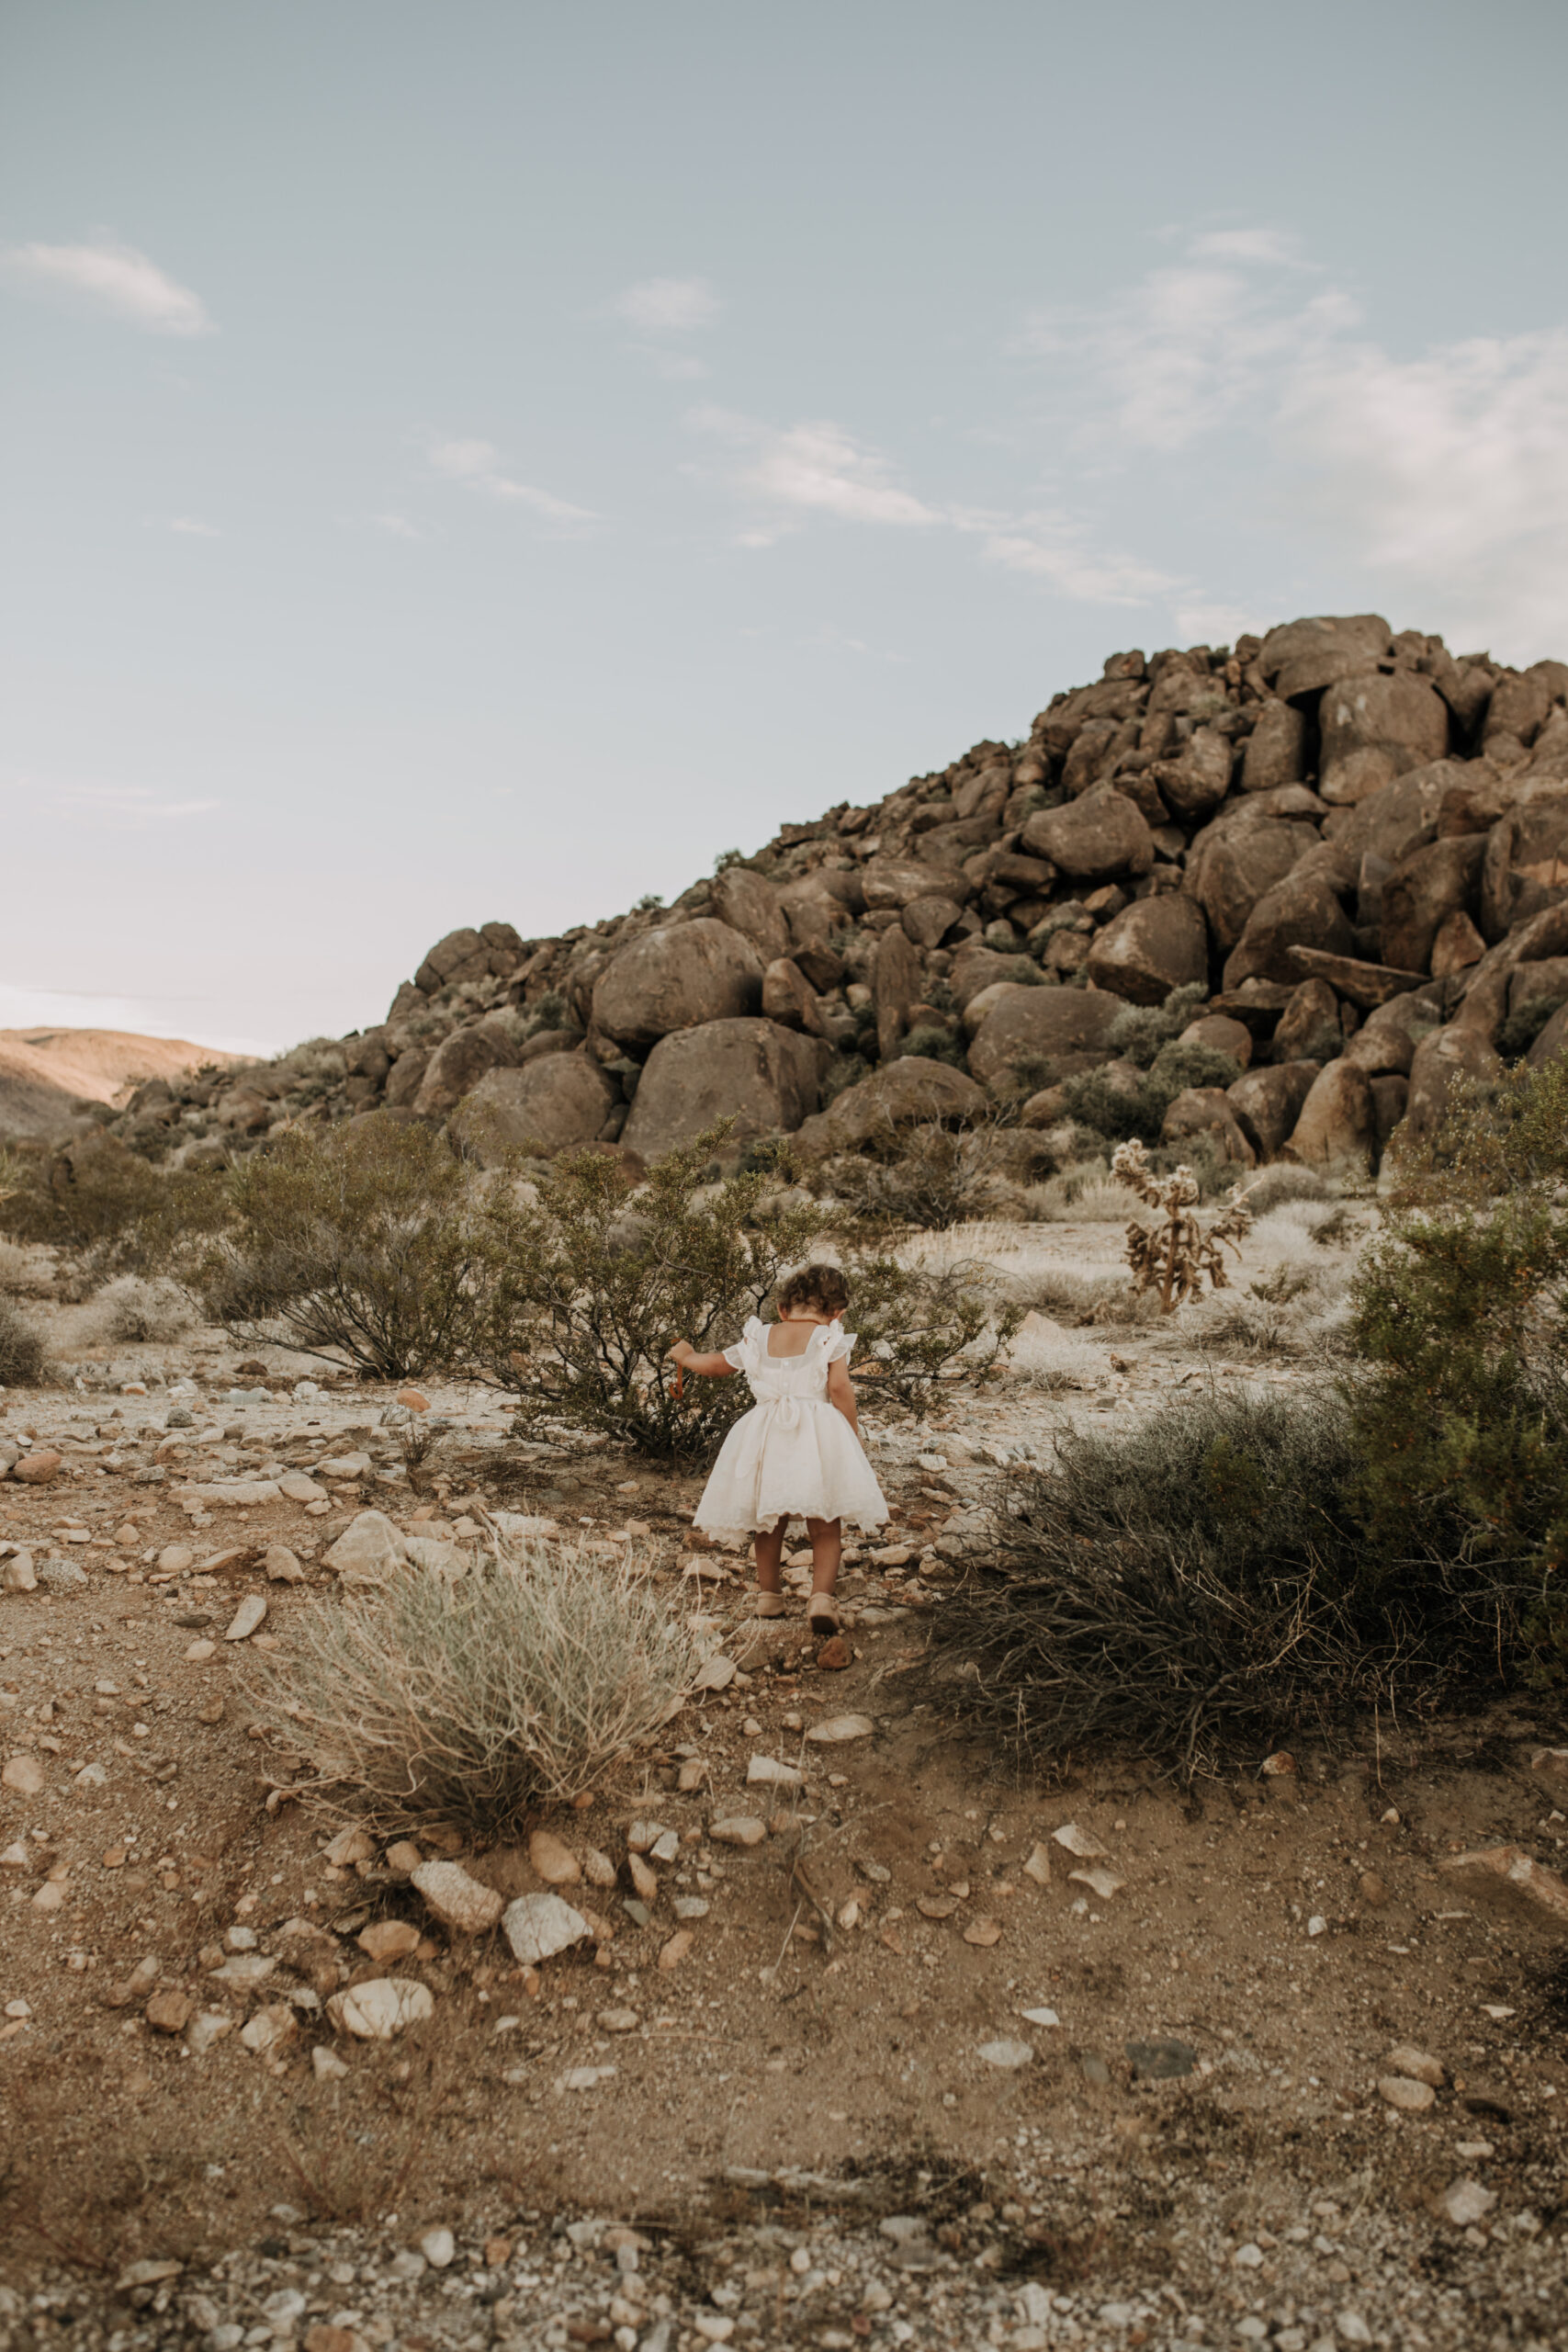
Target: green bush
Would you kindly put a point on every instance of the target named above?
(1136, 1113)
(1140, 1030)
(917, 1325)
(925, 1175)
(1207, 1585)
(356, 1244)
(933, 1041)
(585, 1287)
(110, 1211)
(22, 1355)
(475, 1699)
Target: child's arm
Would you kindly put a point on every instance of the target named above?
(716, 1367)
(840, 1392)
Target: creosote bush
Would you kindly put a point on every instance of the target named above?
(1136, 1113)
(928, 1175)
(356, 1243)
(476, 1699)
(110, 1212)
(22, 1355)
(1207, 1585)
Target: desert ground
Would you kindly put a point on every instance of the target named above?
(947, 2055)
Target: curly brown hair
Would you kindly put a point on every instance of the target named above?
(822, 1288)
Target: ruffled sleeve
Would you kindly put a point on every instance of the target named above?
(840, 1347)
(745, 1346)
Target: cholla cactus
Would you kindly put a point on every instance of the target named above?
(1173, 1258)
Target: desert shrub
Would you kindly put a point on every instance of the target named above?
(356, 1244)
(475, 1699)
(132, 1309)
(1206, 1585)
(934, 1042)
(927, 1175)
(586, 1286)
(1282, 1183)
(1136, 1114)
(918, 1325)
(111, 1211)
(550, 1011)
(22, 1355)
(1139, 1031)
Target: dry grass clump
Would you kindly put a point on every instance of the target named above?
(133, 1308)
(24, 1357)
(476, 1699)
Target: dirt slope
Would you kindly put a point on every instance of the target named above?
(46, 1073)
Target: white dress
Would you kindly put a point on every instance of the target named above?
(793, 1455)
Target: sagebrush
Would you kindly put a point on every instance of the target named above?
(476, 1699)
(24, 1357)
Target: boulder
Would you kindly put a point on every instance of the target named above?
(1039, 1026)
(677, 977)
(927, 922)
(456, 1067)
(1233, 871)
(1551, 1042)
(748, 903)
(1206, 1110)
(1299, 911)
(1266, 1103)
(1391, 1100)
(405, 1079)
(789, 997)
(980, 1008)
(1439, 1060)
(1374, 728)
(1309, 1027)
(908, 1092)
(1151, 948)
(1535, 992)
(558, 1102)
(1385, 1044)
(1338, 1127)
(1330, 641)
(1092, 839)
(1200, 779)
(1222, 1035)
(821, 902)
(1419, 895)
(1522, 702)
(1404, 815)
(1276, 749)
(1363, 984)
(763, 1075)
(461, 955)
(1526, 866)
(981, 967)
(1457, 947)
(896, 883)
(895, 985)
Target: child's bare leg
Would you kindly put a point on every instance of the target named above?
(770, 1556)
(827, 1550)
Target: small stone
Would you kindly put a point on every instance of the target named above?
(1103, 1883)
(644, 1880)
(717, 2326)
(439, 2248)
(983, 1932)
(51, 1896)
(1280, 1766)
(1038, 1866)
(136, 1987)
(584, 2078)
(675, 1951)
(23, 1775)
(404, 1859)
(412, 1400)
(1465, 2203)
(834, 1654)
(245, 1970)
(1040, 2017)
(208, 2026)
(247, 1618)
(619, 2020)
(1407, 2060)
(239, 1939)
(378, 2010)
(552, 1861)
(666, 1848)
(18, 1573)
(1008, 2054)
(282, 1565)
(598, 1868)
(690, 1907)
(350, 1845)
(387, 1939)
(1410, 2098)
(1354, 2328)
(459, 1902)
(716, 1675)
(539, 1926)
(38, 1469)
(270, 2029)
(169, 2011)
(839, 1729)
(326, 2066)
(1249, 2256)
(199, 1651)
(1078, 1841)
(17, 1857)
(1317, 1925)
(740, 1829)
(766, 1772)
(1371, 1889)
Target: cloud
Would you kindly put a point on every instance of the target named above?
(474, 463)
(130, 808)
(190, 528)
(1436, 480)
(812, 469)
(397, 526)
(669, 305)
(105, 276)
(1056, 549)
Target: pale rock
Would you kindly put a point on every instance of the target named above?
(296, 1486)
(1078, 1841)
(766, 1772)
(381, 2008)
(326, 2066)
(51, 1896)
(370, 1551)
(281, 1565)
(584, 2078)
(741, 1829)
(539, 1926)
(1464, 2202)
(246, 1619)
(1104, 1884)
(270, 2029)
(350, 1845)
(1008, 2054)
(245, 1970)
(552, 1861)
(23, 1775)
(1405, 2059)
(18, 1574)
(1510, 1866)
(459, 1902)
(207, 2027)
(839, 1729)
(645, 1882)
(1040, 2017)
(619, 2020)
(347, 1469)
(200, 1650)
(675, 1951)
(387, 1939)
(598, 1868)
(716, 1675)
(439, 2248)
(1038, 1866)
(1409, 2096)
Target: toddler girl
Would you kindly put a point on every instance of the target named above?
(797, 1453)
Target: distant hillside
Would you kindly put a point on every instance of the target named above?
(48, 1077)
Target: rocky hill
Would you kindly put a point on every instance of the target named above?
(50, 1076)
(1356, 841)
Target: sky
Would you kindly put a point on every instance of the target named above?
(474, 461)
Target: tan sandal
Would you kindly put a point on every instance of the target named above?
(823, 1617)
(770, 1604)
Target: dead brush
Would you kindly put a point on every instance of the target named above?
(476, 1699)
(1172, 1258)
